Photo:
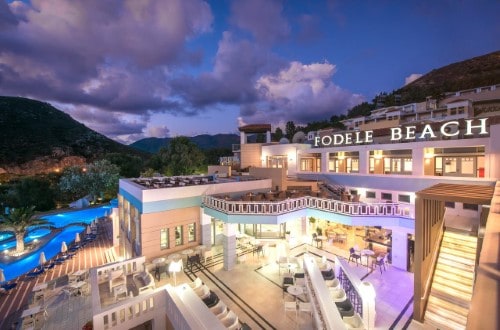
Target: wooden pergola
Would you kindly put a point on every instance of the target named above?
(461, 193)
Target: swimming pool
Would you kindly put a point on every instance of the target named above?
(32, 235)
(52, 247)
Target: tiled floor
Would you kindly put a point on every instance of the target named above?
(253, 291)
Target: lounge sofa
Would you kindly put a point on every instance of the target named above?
(144, 281)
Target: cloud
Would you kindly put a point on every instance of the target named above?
(262, 18)
(303, 93)
(238, 63)
(157, 131)
(113, 54)
(411, 78)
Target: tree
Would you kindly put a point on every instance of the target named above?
(101, 178)
(278, 134)
(98, 178)
(130, 165)
(181, 157)
(18, 222)
(32, 191)
(290, 130)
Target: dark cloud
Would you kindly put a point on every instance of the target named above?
(237, 66)
(110, 54)
(262, 18)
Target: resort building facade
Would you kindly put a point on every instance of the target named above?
(371, 181)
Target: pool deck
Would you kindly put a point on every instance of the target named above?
(92, 255)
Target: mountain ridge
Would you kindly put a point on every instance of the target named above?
(203, 141)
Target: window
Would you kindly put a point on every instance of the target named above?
(404, 198)
(387, 196)
(450, 205)
(178, 235)
(372, 165)
(192, 232)
(472, 207)
(164, 239)
(370, 194)
(353, 192)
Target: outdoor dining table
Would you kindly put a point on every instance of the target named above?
(174, 257)
(367, 253)
(159, 261)
(295, 290)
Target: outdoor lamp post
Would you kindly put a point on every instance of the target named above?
(175, 267)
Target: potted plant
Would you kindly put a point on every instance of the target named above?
(88, 326)
(287, 235)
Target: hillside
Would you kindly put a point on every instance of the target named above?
(203, 141)
(475, 72)
(32, 131)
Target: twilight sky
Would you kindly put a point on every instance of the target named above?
(135, 68)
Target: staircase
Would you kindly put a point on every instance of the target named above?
(451, 290)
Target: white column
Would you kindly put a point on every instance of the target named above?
(368, 296)
(417, 157)
(243, 138)
(364, 156)
(205, 228)
(324, 162)
(268, 137)
(399, 248)
(229, 245)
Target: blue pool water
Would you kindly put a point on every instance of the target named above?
(62, 219)
(51, 248)
(32, 235)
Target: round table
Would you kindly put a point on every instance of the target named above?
(368, 253)
(159, 261)
(295, 290)
(173, 257)
(187, 252)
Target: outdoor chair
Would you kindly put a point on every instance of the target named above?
(305, 307)
(287, 281)
(354, 256)
(291, 306)
(380, 262)
(161, 269)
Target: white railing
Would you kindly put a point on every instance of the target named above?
(317, 203)
(133, 312)
(325, 312)
(363, 294)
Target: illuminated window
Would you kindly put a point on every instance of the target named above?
(164, 239)
(178, 235)
(192, 232)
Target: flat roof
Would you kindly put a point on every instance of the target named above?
(462, 193)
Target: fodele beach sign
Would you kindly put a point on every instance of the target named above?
(407, 133)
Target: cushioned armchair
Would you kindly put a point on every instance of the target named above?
(144, 281)
(116, 278)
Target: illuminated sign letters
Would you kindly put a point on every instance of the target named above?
(407, 133)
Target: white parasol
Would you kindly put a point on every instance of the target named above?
(42, 259)
(77, 238)
(64, 247)
(89, 230)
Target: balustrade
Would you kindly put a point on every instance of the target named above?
(295, 204)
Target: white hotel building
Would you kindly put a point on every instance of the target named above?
(396, 183)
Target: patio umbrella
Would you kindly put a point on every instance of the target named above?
(88, 231)
(2, 276)
(77, 238)
(64, 247)
(42, 259)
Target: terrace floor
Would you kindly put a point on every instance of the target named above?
(253, 291)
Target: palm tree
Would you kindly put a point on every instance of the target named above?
(18, 222)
